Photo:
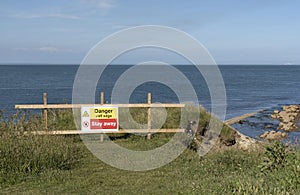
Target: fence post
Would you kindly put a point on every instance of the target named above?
(149, 116)
(101, 102)
(45, 111)
(102, 97)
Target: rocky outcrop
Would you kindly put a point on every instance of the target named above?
(204, 139)
(273, 135)
(288, 117)
(246, 143)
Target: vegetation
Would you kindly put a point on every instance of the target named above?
(62, 164)
(24, 154)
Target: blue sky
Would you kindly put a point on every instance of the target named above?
(234, 31)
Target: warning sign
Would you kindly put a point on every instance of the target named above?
(103, 113)
(99, 119)
(85, 114)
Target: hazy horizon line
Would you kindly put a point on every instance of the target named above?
(71, 64)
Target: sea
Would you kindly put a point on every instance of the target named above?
(248, 88)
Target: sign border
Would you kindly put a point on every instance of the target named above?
(85, 130)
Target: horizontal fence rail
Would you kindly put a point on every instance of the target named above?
(70, 106)
(148, 105)
(74, 132)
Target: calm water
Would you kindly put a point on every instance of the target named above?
(248, 88)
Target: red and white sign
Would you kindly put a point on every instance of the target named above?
(99, 119)
(104, 123)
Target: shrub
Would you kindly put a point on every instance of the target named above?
(275, 156)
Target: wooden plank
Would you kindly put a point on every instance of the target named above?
(77, 132)
(238, 118)
(101, 102)
(45, 111)
(69, 106)
(102, 98)
(149, 117)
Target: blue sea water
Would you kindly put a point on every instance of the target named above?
(248, 88)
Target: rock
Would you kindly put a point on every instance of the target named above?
(285, 108)
(274, 116)
(284, 116)
(288, 117)
(245, 143)
(273, 135)
(281, 126)
(292, 118)
(294, 107)
(287, 126)
(268, 126)
(290, 127)
(264, 135)
(276, 111)
(292, 114)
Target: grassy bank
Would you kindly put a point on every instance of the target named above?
(62, 164)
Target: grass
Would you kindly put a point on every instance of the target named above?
(225, 172)
(62, 164)
(24, 154)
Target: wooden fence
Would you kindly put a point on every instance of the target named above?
(148, 105)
